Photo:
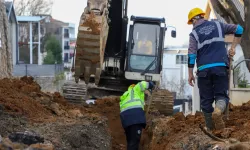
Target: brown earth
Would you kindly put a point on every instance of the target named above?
(180, 132)
(67, 126)
(24, 107)
(109, 107)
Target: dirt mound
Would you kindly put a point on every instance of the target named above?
(24, 107)
(24, 97)
(238, 123)
(16, 97)
(179, 132)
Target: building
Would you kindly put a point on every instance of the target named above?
(13, 30)
(30, 26)
(32, 31)
(65, 34)
(175, 72)
(31, 34)
(68, 44)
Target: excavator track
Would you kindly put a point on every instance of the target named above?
(163, 101)
(75, 92)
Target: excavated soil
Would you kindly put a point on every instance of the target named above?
(110, 108)
(23, 107)
(180, 132)
(92, 24)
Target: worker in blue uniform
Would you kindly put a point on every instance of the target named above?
(207, 47)
(132, 112)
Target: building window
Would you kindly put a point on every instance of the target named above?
(181, 59)
(66, 45)
(66, 33)
(66, 57)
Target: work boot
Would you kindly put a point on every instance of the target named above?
(208, 121)
(217, 119)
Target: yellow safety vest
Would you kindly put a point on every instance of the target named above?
(134, 97)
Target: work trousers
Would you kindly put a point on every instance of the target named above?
(213, 85)
(133, 136)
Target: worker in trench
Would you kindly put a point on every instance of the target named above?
(207, 47)
(132, 112)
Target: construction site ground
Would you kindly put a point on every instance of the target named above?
(61, 125)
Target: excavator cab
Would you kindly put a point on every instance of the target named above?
(145, 48)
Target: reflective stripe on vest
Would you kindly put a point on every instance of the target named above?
(215, 39)
(142, 89)
(130, 101)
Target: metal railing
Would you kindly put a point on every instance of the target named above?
(37, 70)
(245, 60)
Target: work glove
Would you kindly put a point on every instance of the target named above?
(151, 85)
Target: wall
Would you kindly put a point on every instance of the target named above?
(5, 49)
(37, 70)
(240, 96)
(48, 84)
(175, 76)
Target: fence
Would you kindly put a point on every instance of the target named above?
(37, 70)
(241, 79)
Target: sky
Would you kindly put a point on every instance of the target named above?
(174, 11)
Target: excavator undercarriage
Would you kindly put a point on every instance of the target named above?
(92, 79)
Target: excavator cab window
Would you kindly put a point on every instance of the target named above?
(144, 46)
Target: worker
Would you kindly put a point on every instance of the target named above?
(207, 47)
(145, 46)
(132, 112)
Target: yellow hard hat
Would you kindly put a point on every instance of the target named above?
(132, 85)
(194, 12)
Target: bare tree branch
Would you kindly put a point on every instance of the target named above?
(234, 12)
(33, 7)
(221, 10)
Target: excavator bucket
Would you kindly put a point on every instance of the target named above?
(90, 48)
(91, 41)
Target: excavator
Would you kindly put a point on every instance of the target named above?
(106, 63)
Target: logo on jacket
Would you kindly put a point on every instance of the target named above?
(207, 29)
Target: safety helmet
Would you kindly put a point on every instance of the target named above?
(132, 85)
(194, 12)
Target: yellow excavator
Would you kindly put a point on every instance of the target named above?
(105, 63)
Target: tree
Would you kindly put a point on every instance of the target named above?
(54, 49)
(240, 78)
(228, 10)
(49, 59)
(33, 7)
